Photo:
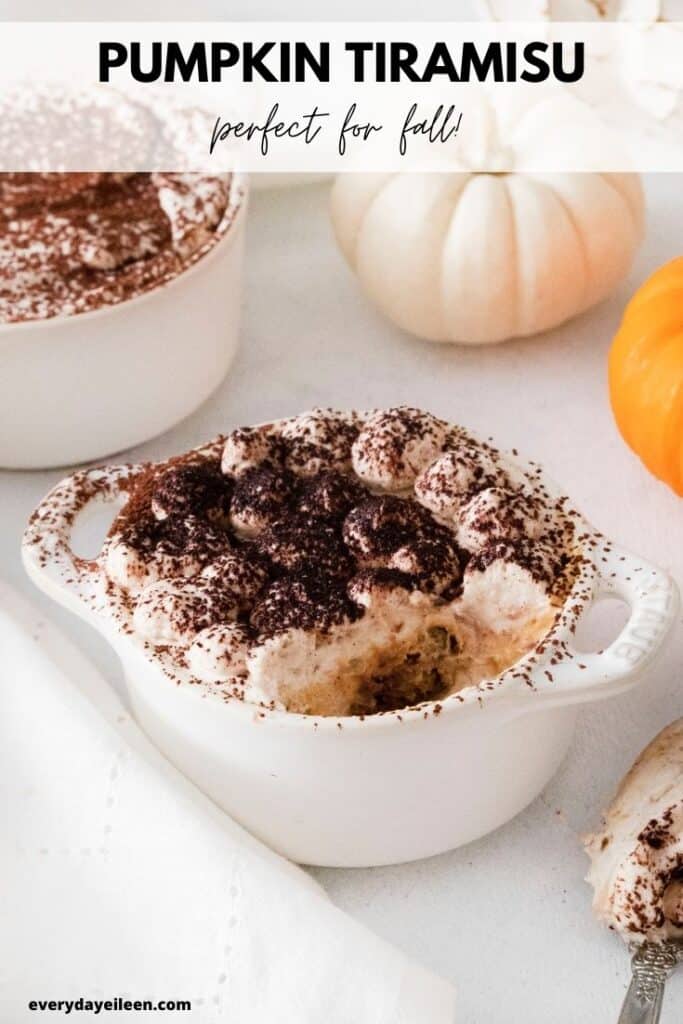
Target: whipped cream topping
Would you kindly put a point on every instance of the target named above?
(320, 439)
(447, 481)
(385, 531)
(502, 590)
(219, 653)
(172, 612)
(637, 856)
(339, 562)
(71, 243)
(395, 445)
(259, 498)
(191, 489)
(249, 447)
(147, 549)
(498, 514)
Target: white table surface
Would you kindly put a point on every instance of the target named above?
(508, 918)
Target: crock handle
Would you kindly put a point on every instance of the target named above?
(653, 599)
(47, 551)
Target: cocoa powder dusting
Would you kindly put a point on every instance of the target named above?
(73, 243)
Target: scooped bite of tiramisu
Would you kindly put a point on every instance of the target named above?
(339, 563)
(637, 856)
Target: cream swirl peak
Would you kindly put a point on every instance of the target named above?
(71, 243)
(637, 856)
(340, 563)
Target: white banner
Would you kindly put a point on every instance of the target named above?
(307, 97)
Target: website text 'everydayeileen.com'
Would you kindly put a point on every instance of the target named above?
(97, 1006)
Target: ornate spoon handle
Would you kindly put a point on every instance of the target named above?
(651, 965)
(639, 1010)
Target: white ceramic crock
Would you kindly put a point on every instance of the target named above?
(77, 388)
(389, 788)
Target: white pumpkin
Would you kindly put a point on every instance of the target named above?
(482, 257)
(647, 58)
(581, 10)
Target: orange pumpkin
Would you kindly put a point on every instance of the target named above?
(646, 374)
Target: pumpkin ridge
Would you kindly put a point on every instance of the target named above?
(666, 319)
(514, 229)
(640, 342)
(673, 451)
(628, 374)
(537, 195)
(624, 195)
(440, 267)
(521, 314)
(361, 220)
(661, 282)
(579, 239)
(626, 361)
(666, 389)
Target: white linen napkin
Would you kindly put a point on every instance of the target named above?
(122, 880)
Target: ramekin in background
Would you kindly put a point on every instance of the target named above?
(81, 387)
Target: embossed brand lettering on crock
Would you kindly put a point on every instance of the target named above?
(645, 627)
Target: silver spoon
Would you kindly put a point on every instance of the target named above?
(651, 965)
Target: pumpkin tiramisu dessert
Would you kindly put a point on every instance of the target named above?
(73, 243)
(338, 563)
